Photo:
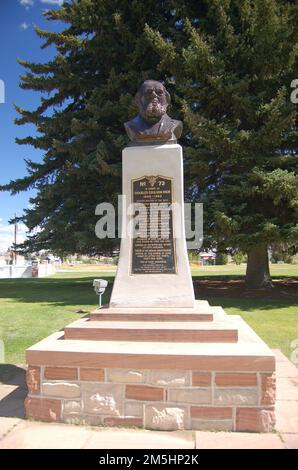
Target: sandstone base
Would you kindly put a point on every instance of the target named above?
(221, 380)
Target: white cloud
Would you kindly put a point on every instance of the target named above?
(24, 26)
(27, 3)
(7, 235)
(52, 2)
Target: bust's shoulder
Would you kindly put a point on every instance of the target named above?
(165, 129)
(173, 124)
(133, 123)
(132, 127)
(167, 118)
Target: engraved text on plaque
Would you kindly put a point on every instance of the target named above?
(153, 252)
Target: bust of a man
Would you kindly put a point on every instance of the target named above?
(153, 125)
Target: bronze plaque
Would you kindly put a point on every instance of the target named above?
(153, 250)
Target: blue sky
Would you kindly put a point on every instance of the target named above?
(18, 40)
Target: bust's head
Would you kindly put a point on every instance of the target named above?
(152, 124)
(152, 100)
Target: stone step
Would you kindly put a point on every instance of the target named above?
(150, 316)
(248, 354)
(201, 312)
(191, 332)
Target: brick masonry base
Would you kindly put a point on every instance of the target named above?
(152, 398)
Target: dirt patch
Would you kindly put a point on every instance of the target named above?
(283, 289)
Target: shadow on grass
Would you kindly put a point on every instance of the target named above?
(236, 277)
(55, 291)
(79, 291)
(230, 291)
(250, 305)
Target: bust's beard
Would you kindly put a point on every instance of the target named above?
(153, 112)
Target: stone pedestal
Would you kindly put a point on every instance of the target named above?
(154, 358)
(144, 288)
(154, 370)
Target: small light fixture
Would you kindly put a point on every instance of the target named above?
(99, 287)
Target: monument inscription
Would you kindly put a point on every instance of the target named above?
(153, 250)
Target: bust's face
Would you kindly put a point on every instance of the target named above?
(153, 100)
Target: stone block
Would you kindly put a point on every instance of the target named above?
(201, 379)
(193, 395)
(61, 373)
(92, 375)
(104, 399)
(43, 409)
(72, 407)
(268, 384)
(126, 375)
(255, 419)
(175, 378)
(33, 379)
(61, 389)
(132, 408)
(165, 418)
(236, 396)
(144, 392)
(236, 380)
(211, 412)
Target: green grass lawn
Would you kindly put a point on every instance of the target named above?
(31, 309)
(276, 322)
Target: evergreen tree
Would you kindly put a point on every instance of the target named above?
(233, 76)
(228, 65)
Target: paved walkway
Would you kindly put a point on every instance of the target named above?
(17, 433)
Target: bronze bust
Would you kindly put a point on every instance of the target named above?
(153, 125)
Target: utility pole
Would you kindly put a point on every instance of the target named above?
(15, 238)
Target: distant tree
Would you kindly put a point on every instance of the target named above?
(283, 252)
(221, 259)
(239, 257)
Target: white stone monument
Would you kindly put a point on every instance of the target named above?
(153, 273)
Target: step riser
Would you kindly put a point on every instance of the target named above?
(188, 336)
(178, 361)
(151, 317)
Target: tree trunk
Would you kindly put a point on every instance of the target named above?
(257, 270)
